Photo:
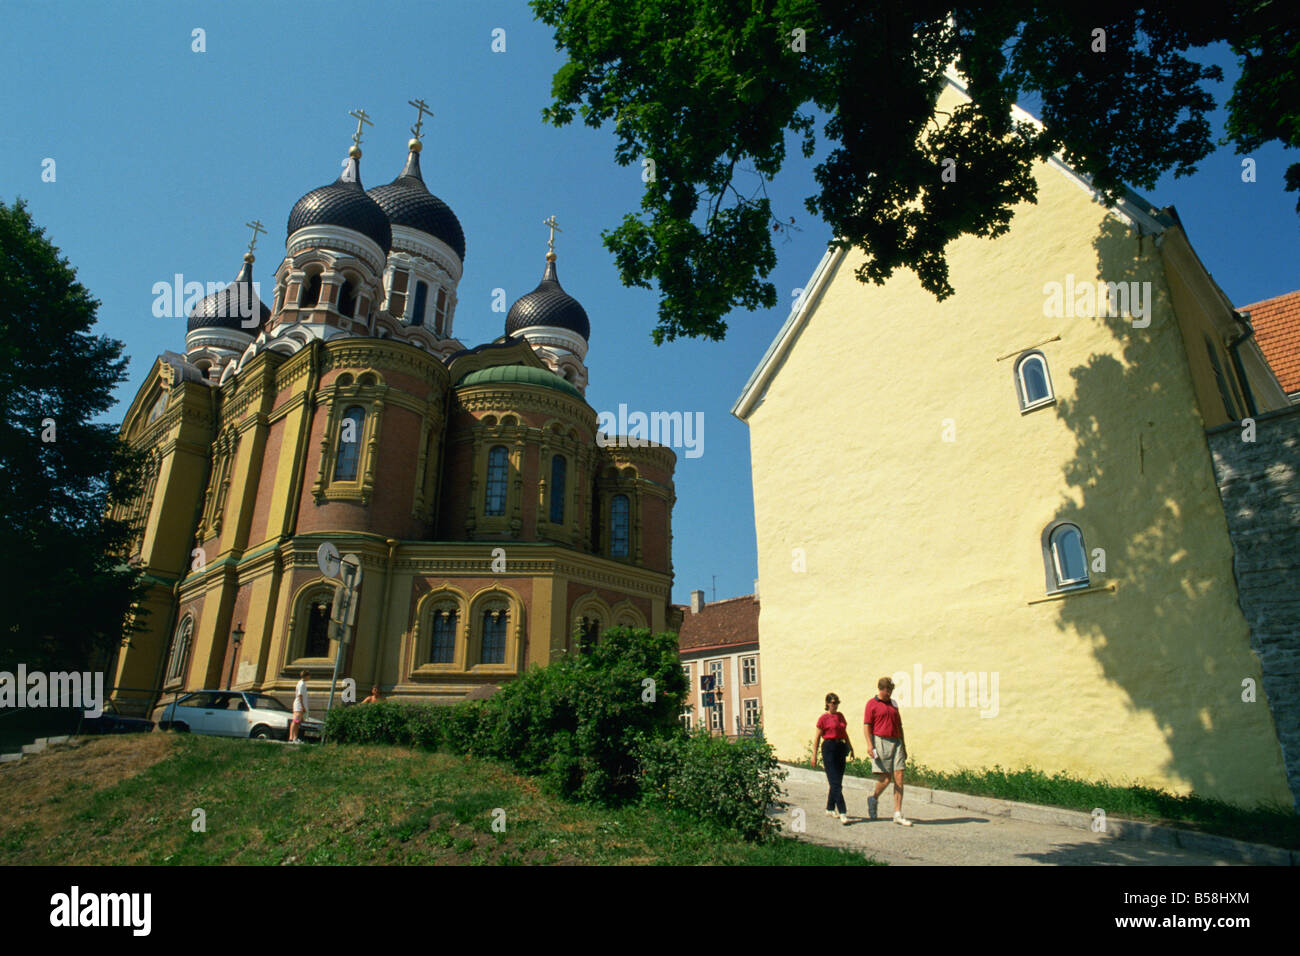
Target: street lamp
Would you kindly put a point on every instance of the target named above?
(236, 636)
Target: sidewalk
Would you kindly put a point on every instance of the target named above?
(980, 831)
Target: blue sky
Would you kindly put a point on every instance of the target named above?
(162, 154)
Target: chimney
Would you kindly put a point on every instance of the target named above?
(697, 602)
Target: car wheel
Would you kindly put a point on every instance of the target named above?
(262, 732)
(179, 727)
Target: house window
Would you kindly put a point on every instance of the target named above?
(1033, 382)
(715, 668)
(443, 649)
(618, 543)
(715, 718)
(348, 299)
(421, 301)
(559, 465)
(349, 451)
(686, 720)
(310, 294)
(1066, 557)
(496, 481)
(751, 711)
(494, 637)
(318, 629)
(180, 649)
(749, 670)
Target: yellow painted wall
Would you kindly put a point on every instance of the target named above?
(926, 552)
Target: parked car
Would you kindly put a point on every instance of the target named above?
(113, 721)
(233, 713)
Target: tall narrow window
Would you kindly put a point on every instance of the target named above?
(618, 532)
(421, 301)
(310, 294)
(180, 649)
(559, 465)
(397, 293)
(1033, 383)
(443, 650)
(348, 299)
(1067, 557)
(440, 313)
(318, 629)
(349, 453)
(494, 637)
(496, 482)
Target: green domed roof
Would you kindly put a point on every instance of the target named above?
(519, 375)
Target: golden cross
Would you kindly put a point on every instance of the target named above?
(257, 227)
(423, 107)
(363, 118)
(550, 242)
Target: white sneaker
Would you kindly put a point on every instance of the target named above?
(844, 819)
(902, 820)
(830, 813)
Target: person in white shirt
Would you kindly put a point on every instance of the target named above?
(299, 708)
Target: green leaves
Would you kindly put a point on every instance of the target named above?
(709, 90)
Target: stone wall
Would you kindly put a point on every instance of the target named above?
(1260, 485)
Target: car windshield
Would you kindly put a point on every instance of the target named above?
(265, 702)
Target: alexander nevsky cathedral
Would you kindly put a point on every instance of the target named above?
(494, 530)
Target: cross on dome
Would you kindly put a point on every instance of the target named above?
(423, 107)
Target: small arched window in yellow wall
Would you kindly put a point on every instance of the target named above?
(1067, 558)
(1033, 381)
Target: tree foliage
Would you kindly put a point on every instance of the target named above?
(61, 556)
(711, 91)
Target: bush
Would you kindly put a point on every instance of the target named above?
(729, 783)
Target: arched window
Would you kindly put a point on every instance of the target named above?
(318, 628)
(618, 532)
(1033, 382)
(180, 649)
(349, 451)
(421, 301)
(559, 465)
(348, 299)
(310, 294)
(494, 637)
(443, 648)
(1066, 557)
(496, 482)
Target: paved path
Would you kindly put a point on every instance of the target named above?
(948, 836)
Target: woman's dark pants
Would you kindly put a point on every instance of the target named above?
(834, 755)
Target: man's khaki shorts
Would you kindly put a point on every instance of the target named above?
(891, 755)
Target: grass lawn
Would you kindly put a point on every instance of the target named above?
(1276, 826)
(130, 800)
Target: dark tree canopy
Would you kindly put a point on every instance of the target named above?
(66, 592)
(709, 90)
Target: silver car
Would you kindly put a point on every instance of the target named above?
(233, 713)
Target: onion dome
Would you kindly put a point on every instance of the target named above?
(231, 306)
(408, 202)
(548, 305)
(344, 204)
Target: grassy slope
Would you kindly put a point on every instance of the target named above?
(130, 799)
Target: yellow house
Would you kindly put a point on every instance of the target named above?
(1006, 501)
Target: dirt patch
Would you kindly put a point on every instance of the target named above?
(32, 789)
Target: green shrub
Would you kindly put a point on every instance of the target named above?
(729, 783)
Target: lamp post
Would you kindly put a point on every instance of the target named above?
(236, 636)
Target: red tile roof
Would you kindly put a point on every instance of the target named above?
(1277, 329)
(724, 623)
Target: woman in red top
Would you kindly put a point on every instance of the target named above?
(833, 735)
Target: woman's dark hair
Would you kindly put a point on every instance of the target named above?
(831, 697)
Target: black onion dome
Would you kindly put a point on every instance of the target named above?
(549, 304)
(343, 203)
(408, 202)
(227, 308)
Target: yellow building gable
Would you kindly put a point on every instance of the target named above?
(902, 495)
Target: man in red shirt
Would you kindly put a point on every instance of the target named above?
(883, 727)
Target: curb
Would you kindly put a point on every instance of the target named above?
(1240, 850)
(37, 746)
